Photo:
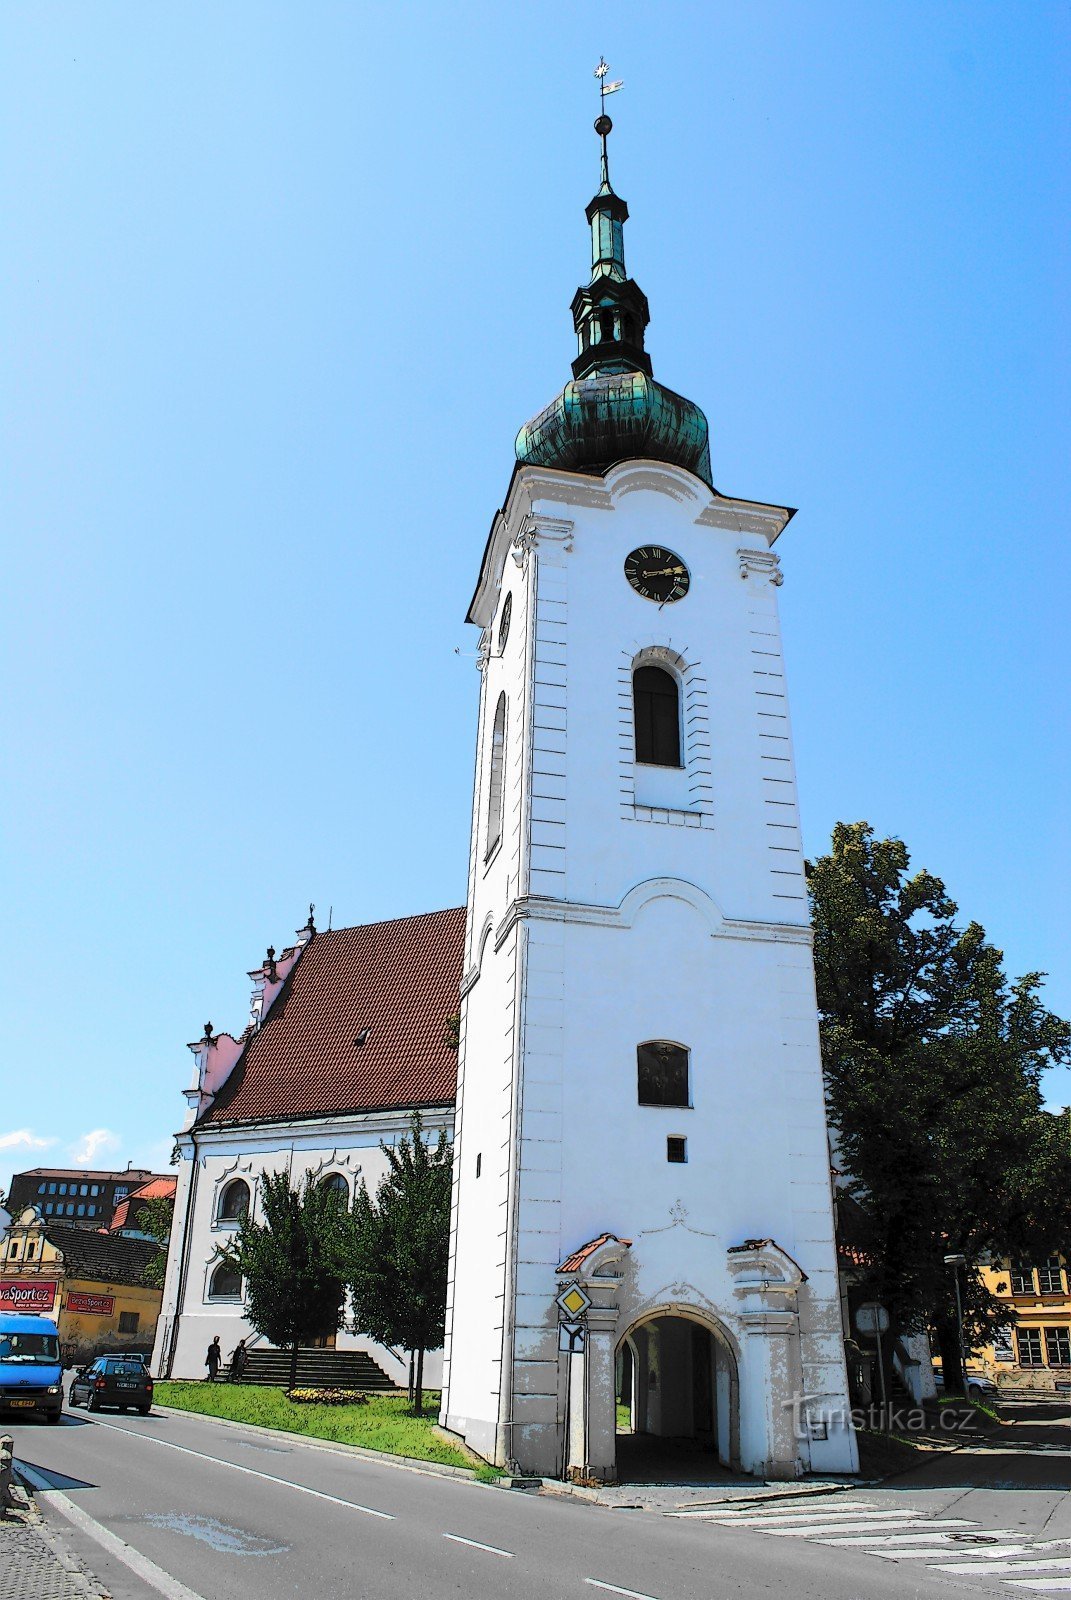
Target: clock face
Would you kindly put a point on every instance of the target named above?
(657, 574)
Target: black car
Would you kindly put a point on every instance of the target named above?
(120, 1381)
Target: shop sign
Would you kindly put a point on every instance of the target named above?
(36, 1298)
(92, 1305)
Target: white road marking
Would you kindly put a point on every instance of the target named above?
(909, 1540)
(807, 1530)
(968, 1559)
(1050, 1585)
(612, 1588)
(251, 1472)
(1006, 1566)
(492, 1549)
(816, 1505)
(145, 1569)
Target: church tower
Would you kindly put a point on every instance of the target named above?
(642, 1211)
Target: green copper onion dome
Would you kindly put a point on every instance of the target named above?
(613, 409)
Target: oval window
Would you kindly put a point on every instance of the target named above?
(504, 621)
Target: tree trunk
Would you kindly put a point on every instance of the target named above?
(418, 1383)
(293, 1365)
(951, 1357)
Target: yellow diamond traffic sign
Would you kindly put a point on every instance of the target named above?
(573, 1301)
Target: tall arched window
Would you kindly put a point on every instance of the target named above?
(225, 1283)
(662, 1074)
(234, 1201)
(336, 1184)
(656, 708)
(498, 763)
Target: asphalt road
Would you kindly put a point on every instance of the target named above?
(232, 1515)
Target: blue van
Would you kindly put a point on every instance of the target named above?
(31, 1377)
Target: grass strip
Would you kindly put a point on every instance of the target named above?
(385, 1423)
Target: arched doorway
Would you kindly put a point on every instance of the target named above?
(678, 1398)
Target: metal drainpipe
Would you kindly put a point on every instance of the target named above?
(184, 1269)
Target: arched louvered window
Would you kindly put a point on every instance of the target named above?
(234, 1201)
(662, 1074)
(656, 708)
(498, 764)
(225, 1283)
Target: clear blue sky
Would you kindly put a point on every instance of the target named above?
(279, 286)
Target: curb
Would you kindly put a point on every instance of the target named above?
(435, 1469)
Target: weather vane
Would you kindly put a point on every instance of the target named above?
(606, 88)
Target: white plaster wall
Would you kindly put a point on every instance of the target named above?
(656, 905)
(209, 1160)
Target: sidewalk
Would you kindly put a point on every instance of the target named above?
(35, 1564)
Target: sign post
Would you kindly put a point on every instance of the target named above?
(872, 1318)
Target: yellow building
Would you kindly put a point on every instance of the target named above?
(92, 1283)
(1035, 1353)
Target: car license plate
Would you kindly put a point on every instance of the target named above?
(29, 1404)
(122, 1385)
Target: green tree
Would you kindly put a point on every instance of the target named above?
(154, 1218)
(932, 1062)
(397, 1247)
(293, 1290)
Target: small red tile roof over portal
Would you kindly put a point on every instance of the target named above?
(401, 981)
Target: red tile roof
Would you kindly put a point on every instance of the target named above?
(155, 1189)
(574, 1262)
(399, 980)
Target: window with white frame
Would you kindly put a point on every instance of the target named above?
(224, 1283)
(1058, 1346)
(1022, 1278)
(496, 788)
(1029, 1343)
(1050, 1277)
(233, 1201)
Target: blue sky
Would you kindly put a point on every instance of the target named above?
(279, 286)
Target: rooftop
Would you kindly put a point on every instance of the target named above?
(390, 985)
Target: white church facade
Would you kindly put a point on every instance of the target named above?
(642, 1212)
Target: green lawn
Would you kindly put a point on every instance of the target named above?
(385, 1423)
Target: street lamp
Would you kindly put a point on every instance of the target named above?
(955, 1262)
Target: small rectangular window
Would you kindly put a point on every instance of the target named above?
(128, 1322)
(94, 1188)
(48, 1208)
(83, 1188)
(70, 1210)
(92, 1210)
(14, 1251)
(479, 1162)
(63, 1188)
(52, 1188)
(81, 1211)
(40, 1188)
(676, 1149)
(1029, 1342)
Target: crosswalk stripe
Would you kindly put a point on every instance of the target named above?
(854, 1527)
(911, 1539)
(1007, 1566)
(814, 1503)
(969, 1558)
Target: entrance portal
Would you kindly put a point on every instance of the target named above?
(677, 1400)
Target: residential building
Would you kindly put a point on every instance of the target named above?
(81, 1198)
(1035, 1351)
(131, 1214)
(92, 1283)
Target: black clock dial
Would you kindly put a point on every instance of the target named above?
(657, 574)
